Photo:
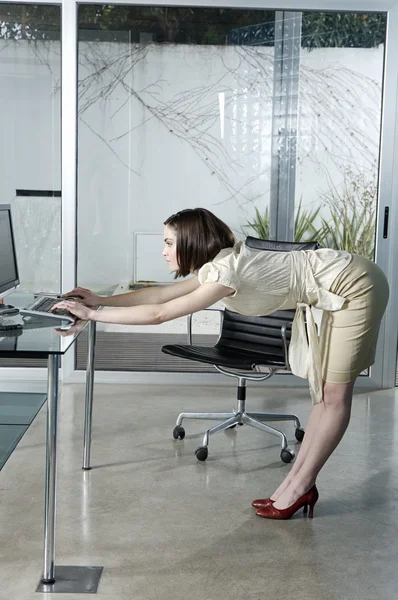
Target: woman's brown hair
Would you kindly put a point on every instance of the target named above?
(200, 237)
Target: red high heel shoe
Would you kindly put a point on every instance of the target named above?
(310, 498)
(260, 502)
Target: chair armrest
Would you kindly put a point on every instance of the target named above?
(285, 347)
(189, 329)
(189, 321)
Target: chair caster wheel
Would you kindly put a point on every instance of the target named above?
(232, 426)
(178, 432)
(287, 455)
(201, 453)
(299, 433)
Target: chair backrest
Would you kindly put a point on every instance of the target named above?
(261, 334)
(275, 246)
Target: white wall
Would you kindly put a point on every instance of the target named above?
(152, 141)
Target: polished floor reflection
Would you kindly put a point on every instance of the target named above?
(166, 526)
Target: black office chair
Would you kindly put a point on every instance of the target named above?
(246, 343)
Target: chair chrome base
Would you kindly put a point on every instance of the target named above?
(241, 417)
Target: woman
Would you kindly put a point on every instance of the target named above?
(352, 291)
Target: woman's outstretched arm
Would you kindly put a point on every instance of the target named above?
(150, 295)
(152, 314)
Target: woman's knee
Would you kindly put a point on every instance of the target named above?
(338, 396)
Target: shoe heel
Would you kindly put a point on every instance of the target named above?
(313, 499)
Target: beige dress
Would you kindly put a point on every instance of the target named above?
(266, 281)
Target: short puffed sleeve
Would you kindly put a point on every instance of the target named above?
(218, 273)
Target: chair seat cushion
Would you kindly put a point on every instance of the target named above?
(224, 357)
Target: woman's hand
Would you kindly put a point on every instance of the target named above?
(79, 310)
(84, 295)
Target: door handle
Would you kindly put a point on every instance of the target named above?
(385, 225)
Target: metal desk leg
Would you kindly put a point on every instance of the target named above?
(88, 416)
(51, 468)
(62, 579)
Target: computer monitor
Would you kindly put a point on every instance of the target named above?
(9, 277)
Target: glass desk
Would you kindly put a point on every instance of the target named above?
(40, 339)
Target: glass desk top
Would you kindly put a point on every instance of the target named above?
(39, 337)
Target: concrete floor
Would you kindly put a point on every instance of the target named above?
(167, 527)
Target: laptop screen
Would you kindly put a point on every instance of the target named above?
(9, 278)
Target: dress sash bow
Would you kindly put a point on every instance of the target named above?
(304, 351)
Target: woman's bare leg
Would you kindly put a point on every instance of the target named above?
(311, 427)
(331, 426)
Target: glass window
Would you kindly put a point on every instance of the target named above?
(174, 112)
(30, 151)
(338, 139)
(271, 119)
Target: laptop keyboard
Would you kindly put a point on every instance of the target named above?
(46, 305)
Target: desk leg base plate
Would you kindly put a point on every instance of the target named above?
(73, 580)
